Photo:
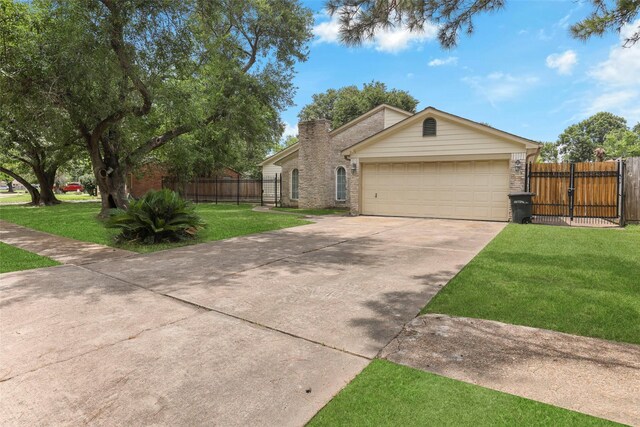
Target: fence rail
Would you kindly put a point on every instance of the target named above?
(264, 190)
(577, 190)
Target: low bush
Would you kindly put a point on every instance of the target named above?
(158, 216)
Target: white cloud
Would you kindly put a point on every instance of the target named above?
(328, 31)
(498, 86)
(410, 75)
(391, 40)
(289, 130)
(616, 83)
(622, 68)
(451, 60)
(563, 62)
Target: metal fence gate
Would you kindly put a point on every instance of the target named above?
(263, 190)
(577, 190)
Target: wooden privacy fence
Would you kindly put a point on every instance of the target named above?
(632, 190)
(577, 190)
(226, 189)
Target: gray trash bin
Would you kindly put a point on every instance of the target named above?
(521, 207)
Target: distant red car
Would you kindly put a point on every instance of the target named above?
(72, 186)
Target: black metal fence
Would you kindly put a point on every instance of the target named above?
(263, 190)
(590, 191)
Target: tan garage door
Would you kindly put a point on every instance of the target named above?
(464, 189)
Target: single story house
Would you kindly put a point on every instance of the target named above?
(392, 162)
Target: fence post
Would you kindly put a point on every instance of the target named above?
(238, 192)
(215, 182)
(275, 189)
(197, 181)
(261, 190)
(280, 190)
(622, 193)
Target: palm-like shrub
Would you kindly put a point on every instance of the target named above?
(158, 216)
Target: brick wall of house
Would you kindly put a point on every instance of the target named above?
(313, 162)
(147, 177)
(288, 165)
(516, 177)
(320, 155)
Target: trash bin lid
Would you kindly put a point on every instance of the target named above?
(522, 193)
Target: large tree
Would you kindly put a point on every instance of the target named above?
(135, 75)
(345, 104)
(578, 142)
(622, 143)
(361, 19)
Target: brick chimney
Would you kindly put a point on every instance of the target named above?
(315, 173)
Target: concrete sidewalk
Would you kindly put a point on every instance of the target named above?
(596, 377)
(61, 249)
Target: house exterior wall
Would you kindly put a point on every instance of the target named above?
(451, 139)
(320, 156)
(516, 174)
(147, 177)
(392, 117)
(270, 170)
(287, 166)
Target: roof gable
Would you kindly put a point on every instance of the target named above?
(369, 114)
(417, 119)
(280, 154)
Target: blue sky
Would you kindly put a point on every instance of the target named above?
(520, 71)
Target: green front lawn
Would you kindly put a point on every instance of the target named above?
(577, 280)
(386, 394)
(79, 221)
(15, 259)
(26, 198)
(336, 211)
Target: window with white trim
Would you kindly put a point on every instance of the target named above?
(341, 184)
(294, 184)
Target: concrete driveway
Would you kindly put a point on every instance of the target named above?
(261, 329)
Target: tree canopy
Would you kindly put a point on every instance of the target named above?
(133, 76)
(342, 105)
(361, 19)
(578, 142)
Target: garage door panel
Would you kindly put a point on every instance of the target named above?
(465, 190)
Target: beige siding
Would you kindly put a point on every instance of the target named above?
(452, 139)
(271, 170)
(392, 117)
(461, 190)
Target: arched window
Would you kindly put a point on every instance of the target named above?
(429, 127)
(341, 183)
(294, 184)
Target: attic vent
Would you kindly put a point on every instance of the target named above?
(429, 127)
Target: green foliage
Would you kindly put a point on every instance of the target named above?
(605, 18)
(622, 143)
(549, 153)
(360, 20)
(133, 76)
(342, 105)
(158, 216)
(578, 142)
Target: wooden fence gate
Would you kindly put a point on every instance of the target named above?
(577, 190)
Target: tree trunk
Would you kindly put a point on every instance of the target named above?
(112, 187)
(46, 179)
(33, 192)
(10, 187)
